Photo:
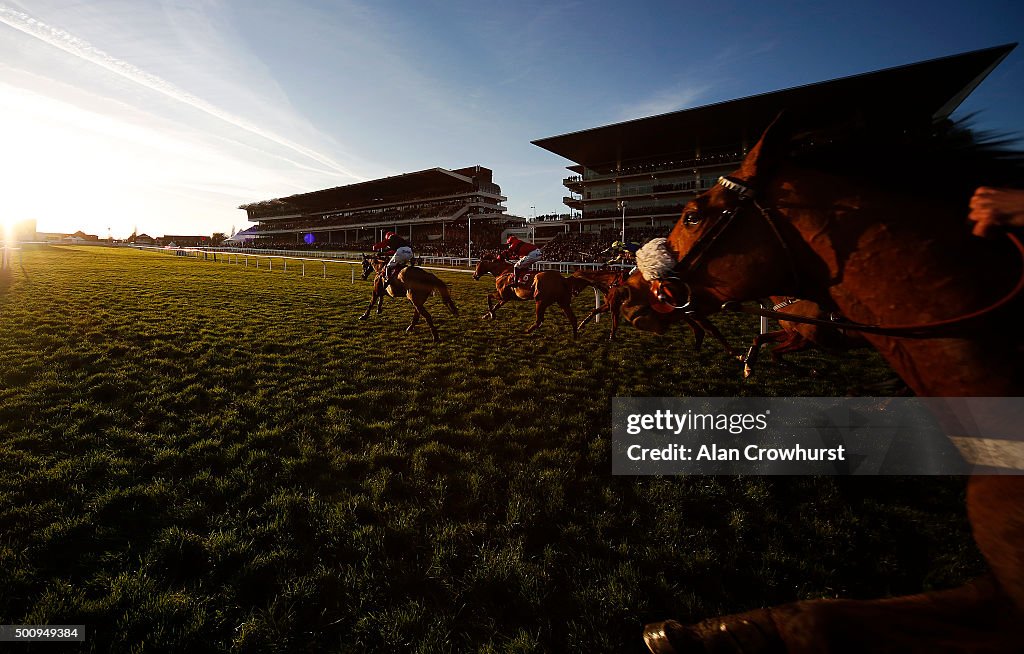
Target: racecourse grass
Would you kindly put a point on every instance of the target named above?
(198, 456)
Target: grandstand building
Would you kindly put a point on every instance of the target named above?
(651, 167)
(435, 205)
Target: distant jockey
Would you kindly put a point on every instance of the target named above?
(527, 253)
(624, 253)
(400, 251)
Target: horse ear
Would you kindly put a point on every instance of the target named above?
(769, 151)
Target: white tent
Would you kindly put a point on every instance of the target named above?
(242, 236)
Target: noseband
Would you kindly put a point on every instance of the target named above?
(745, 201)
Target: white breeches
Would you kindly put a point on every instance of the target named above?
(528, 260)
(402, 255)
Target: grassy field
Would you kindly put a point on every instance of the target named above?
(202, 457)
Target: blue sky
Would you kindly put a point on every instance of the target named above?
(168, 115)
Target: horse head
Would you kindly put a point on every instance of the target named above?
(725, 246)
(486, 265)
(367, 267)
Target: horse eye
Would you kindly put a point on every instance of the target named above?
(691, 218)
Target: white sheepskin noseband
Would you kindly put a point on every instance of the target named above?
(655, 259)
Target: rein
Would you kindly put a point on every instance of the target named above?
(922, 330)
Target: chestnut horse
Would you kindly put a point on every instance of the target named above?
(610, 283)
(546, 287)
(797, 336)
(414, 283)
(883, 247)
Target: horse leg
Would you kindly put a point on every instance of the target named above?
(491, 309)
(995, 509)
(604, 308)
(542, 306)
(430, 320)
(971, 618)
(378, 287)
(698, 332)
(373, 298)
(566, 304)
(710, 328)
(795, 342)
(981, 616)
(415, 318)
(750, 360)
(589, 317)
(614, 301)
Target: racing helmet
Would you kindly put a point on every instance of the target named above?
(511, 239)
(618, 245)
(389, 234)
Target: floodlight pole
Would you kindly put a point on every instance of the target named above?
(622, 205)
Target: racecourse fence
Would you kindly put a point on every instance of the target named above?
(300, 259)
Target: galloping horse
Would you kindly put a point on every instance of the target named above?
(891, 249)
(797, 336)
(416, 284)
(610, 282)
(547, 288)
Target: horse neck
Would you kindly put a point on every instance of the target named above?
(885, 258)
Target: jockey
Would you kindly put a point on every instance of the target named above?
(624, 253)
(528, 253)
(400, 251)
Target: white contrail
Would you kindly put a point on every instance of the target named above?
(84, 50)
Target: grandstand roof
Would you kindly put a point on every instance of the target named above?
(927, 90)
(433, 181)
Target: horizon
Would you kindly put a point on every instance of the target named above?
(167, 117)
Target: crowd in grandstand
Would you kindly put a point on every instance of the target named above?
(703, 160)
(589, 247)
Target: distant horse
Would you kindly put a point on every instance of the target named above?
(797, 336)
(887, 248)
(414, 283)
(610, 283)
(546, 288)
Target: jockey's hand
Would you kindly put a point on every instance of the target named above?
(996, 207)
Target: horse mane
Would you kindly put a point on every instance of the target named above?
(947, 160)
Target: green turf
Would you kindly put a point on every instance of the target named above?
(196, 456)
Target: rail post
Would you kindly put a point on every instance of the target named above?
(597, 305)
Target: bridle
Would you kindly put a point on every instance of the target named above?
(745, 197)
(688, 263)
(745, 200)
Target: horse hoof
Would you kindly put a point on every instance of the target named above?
(364, 316)
(754, 631)
(670, 637)
(747, 372)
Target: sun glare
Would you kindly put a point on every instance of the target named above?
(7, 230)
